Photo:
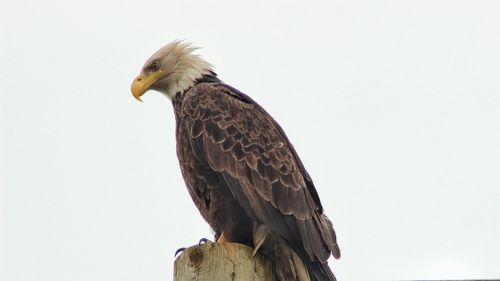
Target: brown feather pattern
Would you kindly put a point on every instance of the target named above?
(229, 147)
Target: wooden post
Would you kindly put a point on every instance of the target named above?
(221, 262)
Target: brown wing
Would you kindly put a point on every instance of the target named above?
(240, 140)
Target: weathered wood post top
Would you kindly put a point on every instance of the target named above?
(221, 262)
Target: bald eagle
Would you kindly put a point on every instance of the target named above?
(240, 169)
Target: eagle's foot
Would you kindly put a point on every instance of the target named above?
(179, 250)
(203, 241)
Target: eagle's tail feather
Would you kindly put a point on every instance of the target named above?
(320, 272)
(288, 265)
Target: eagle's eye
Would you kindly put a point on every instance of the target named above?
(155, 65)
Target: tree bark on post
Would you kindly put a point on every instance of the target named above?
(221, 262)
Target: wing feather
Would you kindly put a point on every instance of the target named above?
(237, 138)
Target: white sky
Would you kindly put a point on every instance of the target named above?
(393, 106)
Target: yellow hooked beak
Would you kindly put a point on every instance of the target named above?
(142, 83)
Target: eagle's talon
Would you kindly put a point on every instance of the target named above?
(179, 250)
(203, 241)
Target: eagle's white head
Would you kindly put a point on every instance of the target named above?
(173, 68)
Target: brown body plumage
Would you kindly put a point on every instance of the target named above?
(245, 177)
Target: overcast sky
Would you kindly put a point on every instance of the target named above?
(393, 106)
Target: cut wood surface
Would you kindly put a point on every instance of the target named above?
(220, 262)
